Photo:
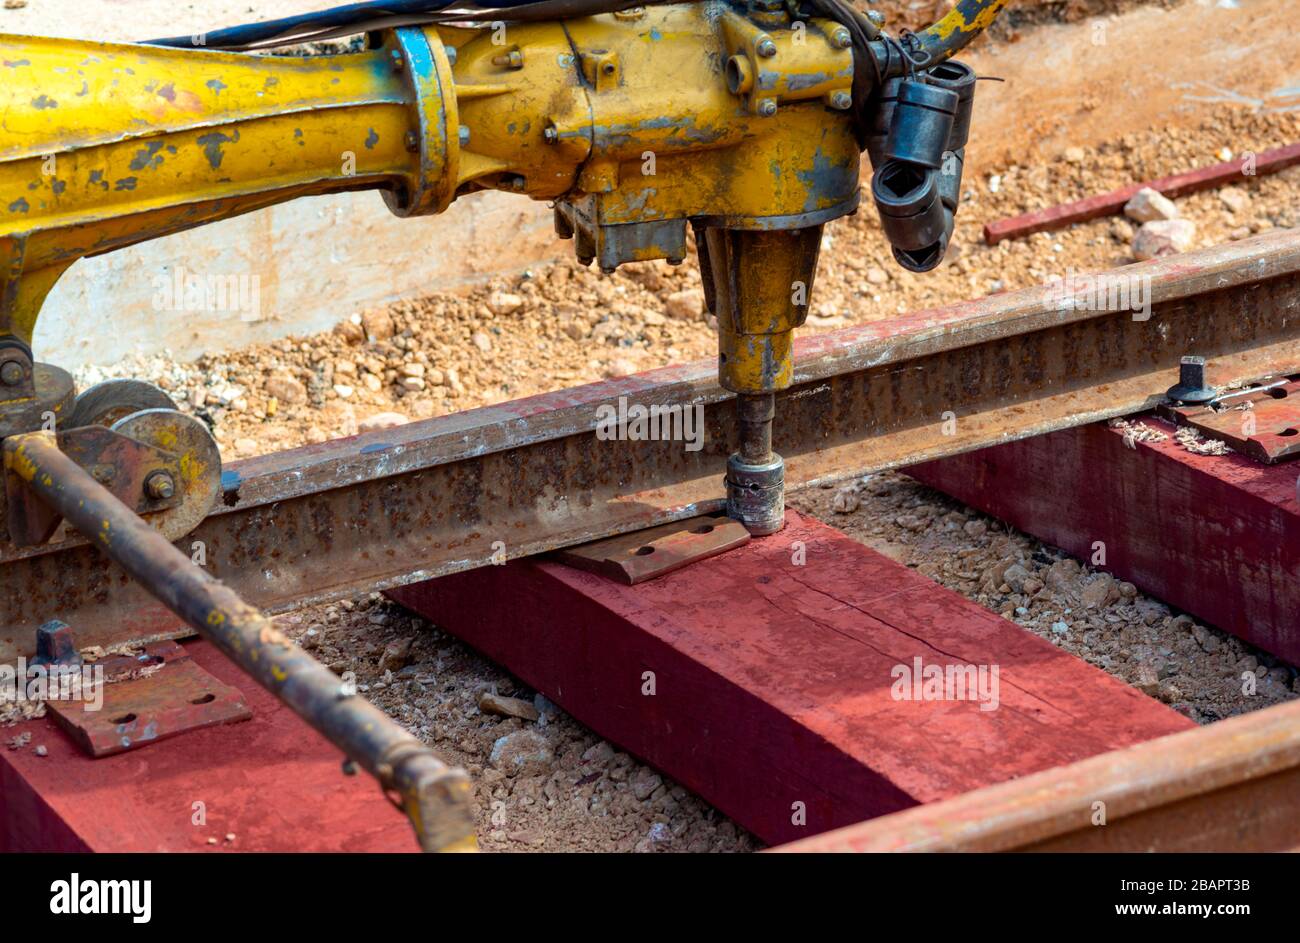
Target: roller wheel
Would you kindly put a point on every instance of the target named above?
(200, 464)
(106, 403)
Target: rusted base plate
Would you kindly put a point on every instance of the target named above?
(156, 695)
(644, 554)
(1267, 431)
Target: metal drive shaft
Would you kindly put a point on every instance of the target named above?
(756, 474)
(435, 797)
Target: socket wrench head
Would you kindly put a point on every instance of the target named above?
(756, 494)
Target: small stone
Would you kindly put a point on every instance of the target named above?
(40, 750)
(397, 655)
(230, 836)
(1147, 205)
(1235, 199)
(1163, 237)
(490, 703)
(1127, 590)
(502, 303)
(1032, 585)
(1015, 577)
(1060, 628)
(1102, 591)
(381, 421)
(1075, 155)
(522, 752)
(435, 377)
(343, 391)
(482, 341)
(414, 384)
(212, 841)
(378, 325)
(1150, 611)
(846, 501)
(877, 276)
(654, 319)
(246, 446)
(620, 367)
(685, 305)
(644, 783)
(1169, 692)
(1147, 681)
(286, 389)
(574, 330)
(351, 331)
(976, 528)
(598, 754)
(1121, 230)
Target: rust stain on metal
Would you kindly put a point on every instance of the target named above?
(158, 694)
(645, 554)
(1264, 425)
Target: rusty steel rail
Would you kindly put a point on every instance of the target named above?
(434, 796)
(435, 497)
(1233, 786)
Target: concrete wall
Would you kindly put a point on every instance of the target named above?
(298, 268)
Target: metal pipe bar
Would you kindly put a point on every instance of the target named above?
(1232, 786)
(434, 796)
(448, 494)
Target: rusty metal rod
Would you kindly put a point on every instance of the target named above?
(434, 796)
(755, 412)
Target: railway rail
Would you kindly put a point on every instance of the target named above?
(437, 497)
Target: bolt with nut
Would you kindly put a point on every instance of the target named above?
(160, 486)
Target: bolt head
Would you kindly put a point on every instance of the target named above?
(841, 39)
(766, 48)
(412, 141)
(876, 17)
(12, 373)
(462, 135)
(550, 135)
(767, 108)
(160, 486)
(398, 62)
(842, 100)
